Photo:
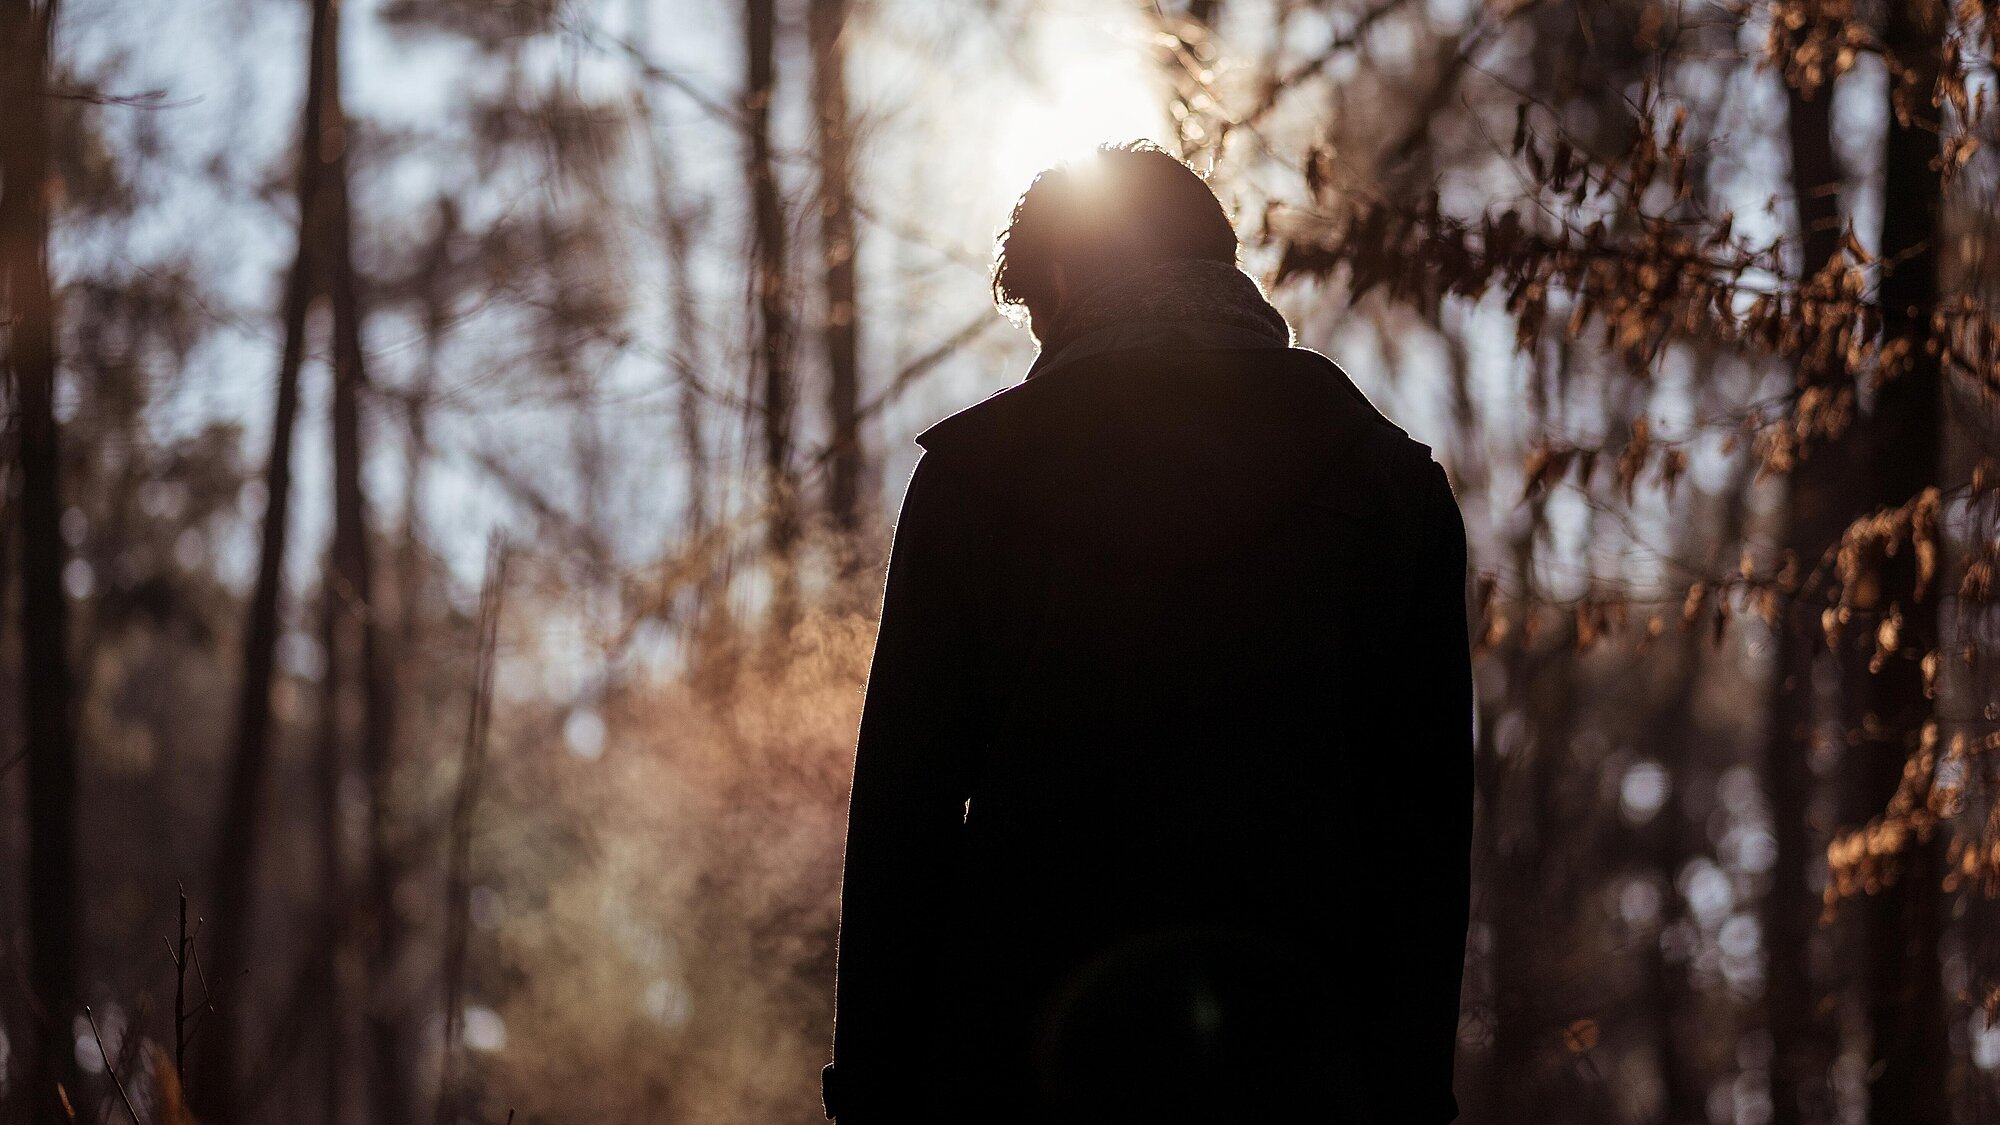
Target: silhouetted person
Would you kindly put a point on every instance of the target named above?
(1162, 800)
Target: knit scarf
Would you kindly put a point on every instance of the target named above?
(1178, 292)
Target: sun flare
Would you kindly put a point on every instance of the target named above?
(1091, 86)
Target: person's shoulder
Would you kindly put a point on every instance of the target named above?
(945, 439)
(1398, 462)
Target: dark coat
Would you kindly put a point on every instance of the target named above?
(1162, 799)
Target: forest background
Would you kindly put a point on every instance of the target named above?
(451, 449)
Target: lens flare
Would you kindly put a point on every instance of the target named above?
(1082, 94)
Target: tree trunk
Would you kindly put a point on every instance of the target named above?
(706, 620)
(337, 962)
(1511, 851)
(239, 831)
(434, 289)
(1672, 839)
(359, 628)
(1819, 504)
(834, 134)
(702, 547)
(1905, 1002)
(48, 721)
(1685, 743)
(688, 407)
(774, 318)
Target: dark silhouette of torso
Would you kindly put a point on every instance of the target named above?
(1162, 798)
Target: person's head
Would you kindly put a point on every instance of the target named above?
(1124, 206)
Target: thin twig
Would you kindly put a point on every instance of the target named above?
(207, 1001)
(180, 995)
(109, 1067)
(471, 771)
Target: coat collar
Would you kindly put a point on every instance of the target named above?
(1133, 334)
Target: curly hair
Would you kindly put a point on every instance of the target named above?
(1125, 204)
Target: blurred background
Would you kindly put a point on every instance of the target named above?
(452, 447)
